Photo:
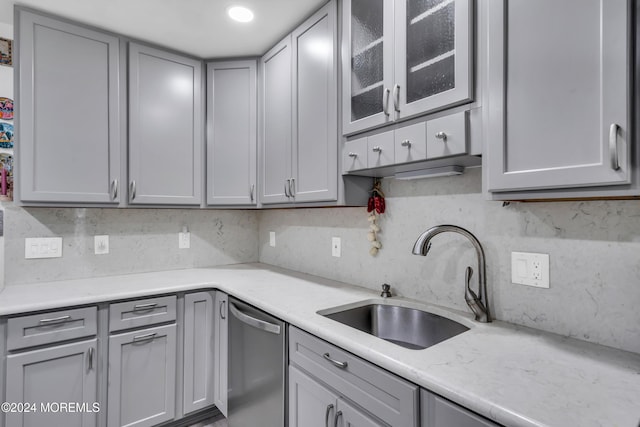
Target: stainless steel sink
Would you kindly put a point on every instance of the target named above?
(407, 327)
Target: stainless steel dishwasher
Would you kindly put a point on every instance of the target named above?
(257, 361)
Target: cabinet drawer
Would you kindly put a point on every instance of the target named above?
(143, 312)
(380, 150)
(54, 326)
(436, 411)
(447, 136)
(388, 397)
(411, 143)
(355, 155)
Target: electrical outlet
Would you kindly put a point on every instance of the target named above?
(184, 240)
(336, 249)
(272, 239)
(44, 247)
(101, 245)
(530, 269)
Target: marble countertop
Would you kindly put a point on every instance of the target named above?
(514, 375)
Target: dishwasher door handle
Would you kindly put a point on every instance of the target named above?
(252, 321)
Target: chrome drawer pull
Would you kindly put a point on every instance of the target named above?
(396, 98)
(60, 319)
(442, 136)
(354, 155)
(140, 307)
(287, 186)
(145, 337)
(335, 420)
(385, 101)
(406, 143)
(91, 351)
(251, 189)
(326, 415)
(114, 189)
(132, 189)
(377, 149)
(222, 316)
(341, 365)
(613, 146)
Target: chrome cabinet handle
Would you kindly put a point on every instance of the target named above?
(335, 420)
(132, 189)
(613, 146)
(145, 337)
(385, 101)
(396, 98)
(139, 307)
(377, 149)
(292, 187)
(90, 357)
(442, 136)
(60, 319)
(354, 155)
(287, 185)
(222, 316)
(251, 190)
(341, 365)
(114, 189)
(326, 415)
(406, 143)
(252, 321)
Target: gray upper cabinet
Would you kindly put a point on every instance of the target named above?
(231, 133)
(275, 127)
(69, 112)
(63, 373)
(199, 356)
(566, 92)
(299, 137)
(165, 127)
(404, 58)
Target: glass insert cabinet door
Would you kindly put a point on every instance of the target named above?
(406, 58)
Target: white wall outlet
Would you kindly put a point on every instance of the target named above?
(42, 247)
(272, 239)
(184, 240)
(101, 245)
(530, 269)
(336, 247)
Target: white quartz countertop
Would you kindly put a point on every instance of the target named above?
(514, 375)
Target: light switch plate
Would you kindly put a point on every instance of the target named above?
(272, 239)
(530, 269)
(101, 245)
(42, 247)
(184, 240)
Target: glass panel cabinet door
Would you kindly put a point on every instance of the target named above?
(433, 55)
(368, 48)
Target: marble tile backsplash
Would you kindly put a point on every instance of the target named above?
(140, 240)
(594, 250)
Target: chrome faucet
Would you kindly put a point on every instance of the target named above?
(475, 302)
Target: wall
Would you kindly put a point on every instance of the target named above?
(594, 252)
(140, 240)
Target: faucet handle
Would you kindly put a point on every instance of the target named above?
(386, 290)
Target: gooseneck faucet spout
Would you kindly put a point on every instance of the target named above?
(478, 303)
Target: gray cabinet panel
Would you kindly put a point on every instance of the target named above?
(142, 375)
(69, 112)
(310, 404)
(231, 136)
(354, 155)
(410, 143)
(142, 312)
(53, 375)
(315, 99)
(165, 127)
(221, 352)
(438, 412)
(275, 130)
(350, 416)
(199, 353)
(584, 73)
(448, 135)
(381, 150)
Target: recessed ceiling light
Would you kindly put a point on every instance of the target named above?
(240, 14)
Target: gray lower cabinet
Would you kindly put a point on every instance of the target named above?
(49, 376)
(313, 405)
(68, 114)
(232, 133)
(221, 358)
(165, 128)
(199, 351)
(436, 411)
(559, 102)
(142, 377)
(298, 129)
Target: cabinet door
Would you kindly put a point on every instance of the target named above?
(199, 355)
(310, 404)
(142, 377)
(231, 133)
(69, 112)
(350, 416)
(53, 375)
(433, 55)
(438, 412)
(221, 352)
(315, 101)
(566, 92)
(367, 64)
(165, 127)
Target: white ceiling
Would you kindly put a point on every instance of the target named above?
(199, 27)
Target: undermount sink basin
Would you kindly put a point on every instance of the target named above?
(408, 327)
